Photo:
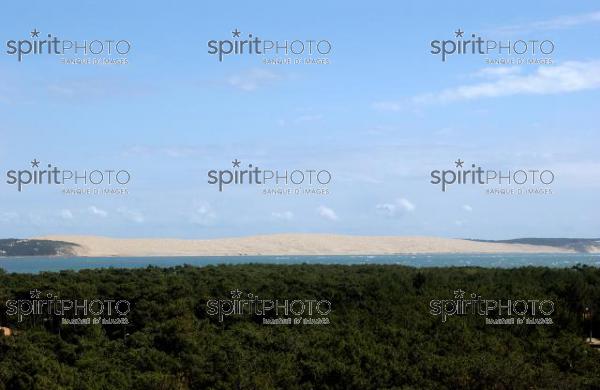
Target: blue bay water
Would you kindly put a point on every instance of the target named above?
(43, 264)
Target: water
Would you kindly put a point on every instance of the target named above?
(41, 264)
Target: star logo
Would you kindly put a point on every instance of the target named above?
(236, 163)
(459, 163)
(35, 294)
(236, 33)
(35, 163)
(35, 33)
(235, 294)
(459, 294)
(459, 33)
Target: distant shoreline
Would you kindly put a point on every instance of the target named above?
(66, 257)
(289, 244)
(36, 264)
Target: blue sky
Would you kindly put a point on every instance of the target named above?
(380, 116)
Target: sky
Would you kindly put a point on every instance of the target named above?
(380, 116)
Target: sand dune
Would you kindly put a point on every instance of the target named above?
(290, 244)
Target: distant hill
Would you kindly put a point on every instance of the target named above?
(285, 244)
(293, 244)
(18, 247)
(584, 245)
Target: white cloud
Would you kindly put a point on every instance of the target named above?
(132, 215)
(571, 76)
(497, 71)
(66, 214)
(203, 215)
(171, 151)
(398, 207)
(9, 216)
(285, 215)
(309, 118)
(252, 80)
(405, 204)
(36, 218)
(568, 77)
(468, 208)
(390, 105)
(560, 22)
(96, 211)
(97, 88)
(180, 151)
(388, 209)
(299, 120)
(327, 213)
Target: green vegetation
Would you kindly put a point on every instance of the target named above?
(381, 333)
(18, 247)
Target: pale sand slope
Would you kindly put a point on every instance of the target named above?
(290, 244)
